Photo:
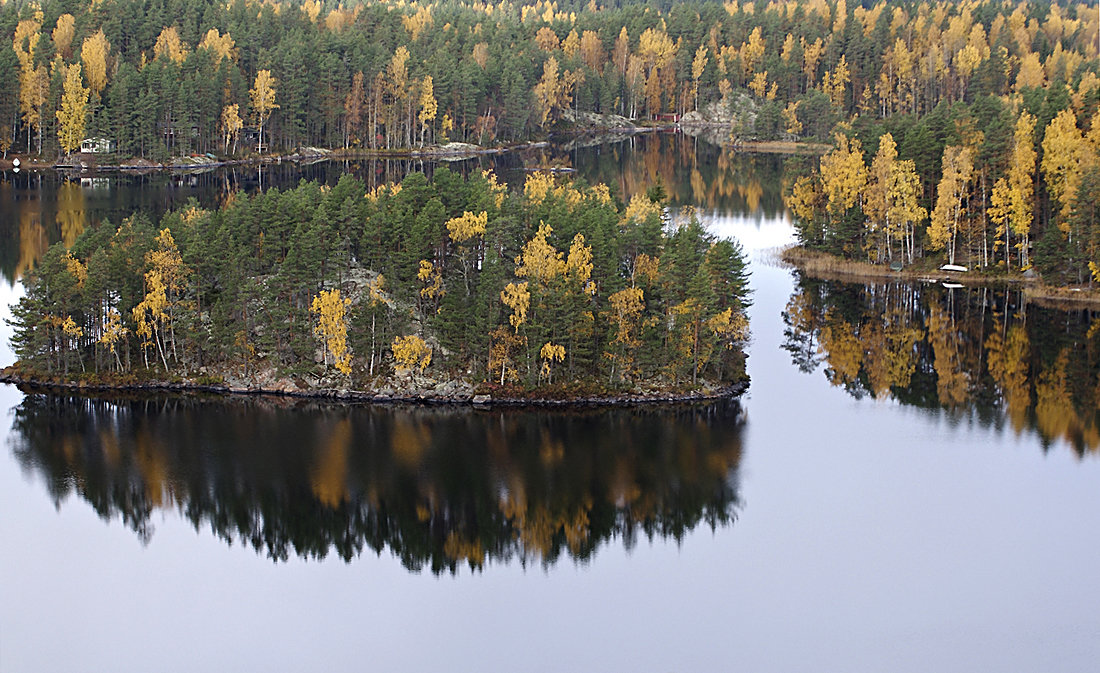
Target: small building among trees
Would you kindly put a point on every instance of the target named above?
(97, 146)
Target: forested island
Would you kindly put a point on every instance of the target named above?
(444, 288)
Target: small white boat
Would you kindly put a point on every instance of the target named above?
(953, 267)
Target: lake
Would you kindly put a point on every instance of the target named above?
(912, 483)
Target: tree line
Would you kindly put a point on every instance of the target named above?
(455, 278)
(992, 185)
(170, 77)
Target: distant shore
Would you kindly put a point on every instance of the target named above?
(831, 267)
(93, 163)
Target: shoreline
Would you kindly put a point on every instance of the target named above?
(78, 163)
(456, 151)
(825, 266)
(306, 156)
(30, 385)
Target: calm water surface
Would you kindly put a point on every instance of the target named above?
(911, 484)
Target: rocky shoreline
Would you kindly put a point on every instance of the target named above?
(305, 155)
(579, 126)
(425, 397)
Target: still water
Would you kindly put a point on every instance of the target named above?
(912, 483)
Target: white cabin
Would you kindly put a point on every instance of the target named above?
(97, 146)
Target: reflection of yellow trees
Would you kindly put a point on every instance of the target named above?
(32, 238)
(410, 440)
(698, 186)
(752, 191)
(537, 487)
(551, 449)
(801, 312)
(883, 351)
(576, 529)
(536, 526)
(883, 345)
(734, 178)
(721, 463)
(624, 489)
(154, 469)
(730, 181)
(657, 163)
(71, 217)
(842, 348)
(1054, 412)
(1007, 356)
(328, 477)
(458, 548)
(952, 381)
(108, 443)
(891, 357)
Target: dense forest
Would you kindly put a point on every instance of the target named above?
(962, 130)
(164, 77)
(455, 278)
(980, 354)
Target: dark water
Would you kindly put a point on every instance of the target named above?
(438, 488)
(911, 484)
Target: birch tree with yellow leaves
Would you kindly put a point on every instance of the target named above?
(331, 328)
(892, 206)
(262, 96)
(74, 107)
(952, 199)
(93, 53)
(1011, 203)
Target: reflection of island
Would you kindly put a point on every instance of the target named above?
(438, 487)
(979, 352)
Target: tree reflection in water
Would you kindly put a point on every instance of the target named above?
(981, 352)
(438, 487)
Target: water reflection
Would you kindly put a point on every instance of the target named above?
(439, 488)
(71, 218)
(692, 172)
(979, 353)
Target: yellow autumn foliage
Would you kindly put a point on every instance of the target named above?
(467, 226)
(331, 328)
(409, 352)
